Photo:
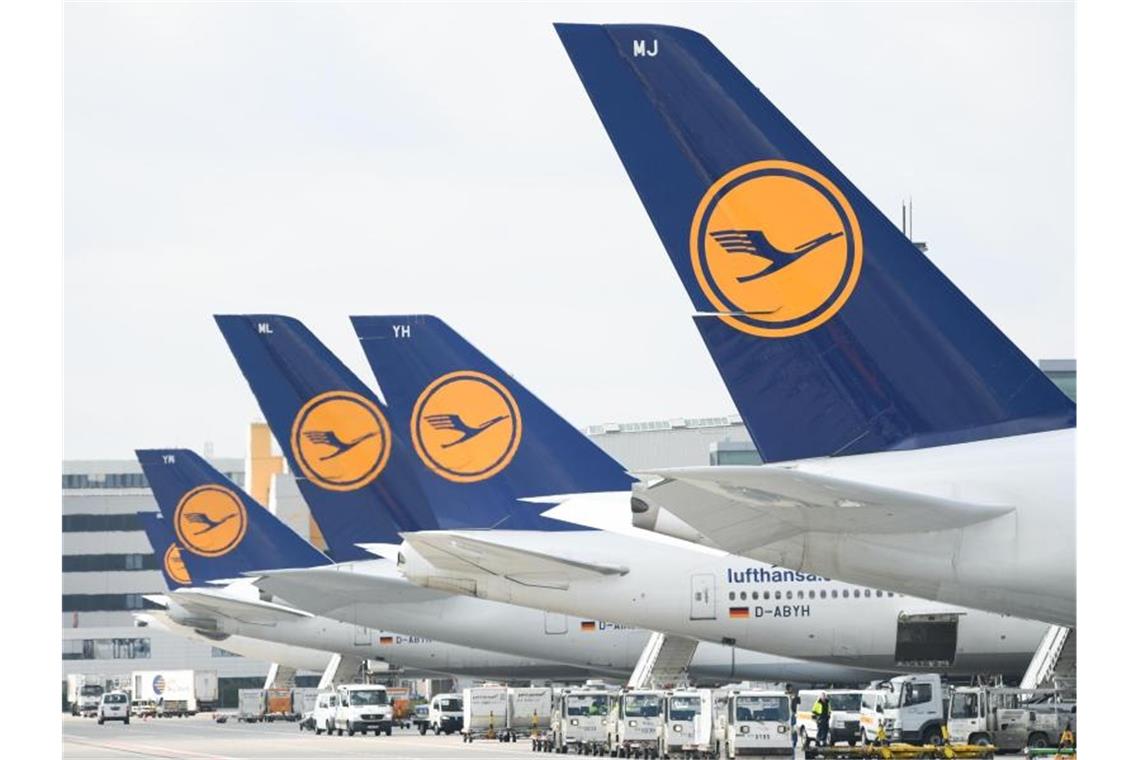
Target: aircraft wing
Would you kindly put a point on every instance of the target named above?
(741, 508)
(246, 610)
(462, 553)
(332, 587)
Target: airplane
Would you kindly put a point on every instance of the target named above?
(184, 483)
(299, 384)
(486, 536)
(606, 573)
(169, 562)
(907, 443)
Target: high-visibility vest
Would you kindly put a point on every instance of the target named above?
(817, 708)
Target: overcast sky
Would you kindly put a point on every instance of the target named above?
(323, 160)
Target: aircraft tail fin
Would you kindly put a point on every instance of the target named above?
(221, 532)
(483, 441)
(833, 332)
(333, 431)
(167, 553)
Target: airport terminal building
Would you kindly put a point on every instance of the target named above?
(109, 568)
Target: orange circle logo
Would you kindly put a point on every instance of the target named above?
(466, 426)
(776, 248)
(210, 521)
(174, 565)
(341, 440)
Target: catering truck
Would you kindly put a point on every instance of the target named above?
(1010, 720)
(174, 692)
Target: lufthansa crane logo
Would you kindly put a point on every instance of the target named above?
(210, 520)
(466, 426)
(341, 440)
(175, 567)
(776, 248)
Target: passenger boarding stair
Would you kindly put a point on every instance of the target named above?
(340, 670)
(663, 663)
(1055, 662)
(280, 677)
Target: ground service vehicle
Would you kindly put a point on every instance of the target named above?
(278, 704)
(363, 708)
(324, 713)
(85, 700)
(485, 711)
(872, 714)
(444, 714)
(636, 725)
(174, 692)
(251, 705)
(1010, 719)
(143, 708)
(846, 713)
(757, 724)
(420, 718)
(400, 697)
(114, 705)
(579, 720)
(913, 709)
(690, 723)
(529, 709)
(304, 699)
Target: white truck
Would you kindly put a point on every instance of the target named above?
(756, 723)
(83, 694)
(912, 710)
(846, 713)
(636, 723)
(579, 720)
(172, 691)
(444, 715)
(485, 711)
(251, 705)
(363, 708)
(1010, 720)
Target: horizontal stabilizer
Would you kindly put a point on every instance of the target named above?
(741, 508)
(461, 552)
(320, 590)
(256, 612)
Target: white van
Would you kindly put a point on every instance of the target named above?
(324, 713)
(846, 713)
(445, 714)
(114, 705)
(363, 708)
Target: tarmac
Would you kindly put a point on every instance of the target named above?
(201, 738)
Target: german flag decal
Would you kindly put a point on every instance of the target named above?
(589, 625)
(738, 612)
(387, 640)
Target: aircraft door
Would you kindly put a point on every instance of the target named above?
(555, 623)
(926, 641)
(362, 636)
(702, 602)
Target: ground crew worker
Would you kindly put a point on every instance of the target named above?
(1068, 741)
(821, 712)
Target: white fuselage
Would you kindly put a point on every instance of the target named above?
(588, 643)
(678, 588)
(329, 636)
(1022, 563)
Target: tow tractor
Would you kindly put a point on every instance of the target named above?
(756, 723)
(690, 724)
(635, 725)
(579, 720)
